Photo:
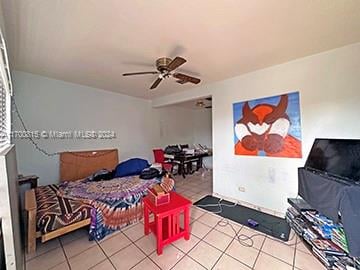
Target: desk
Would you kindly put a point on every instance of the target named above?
(185, 160)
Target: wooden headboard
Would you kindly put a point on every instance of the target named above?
(80, 164)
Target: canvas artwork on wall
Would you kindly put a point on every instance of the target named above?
(268, 126)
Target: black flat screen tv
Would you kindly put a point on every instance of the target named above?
(336, 157)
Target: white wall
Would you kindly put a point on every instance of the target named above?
(48, 104)
(174, 126)
(202, 127)
(329, 86)
(180, 125)
(203, 131)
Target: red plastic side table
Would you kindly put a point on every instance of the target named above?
(166, 225)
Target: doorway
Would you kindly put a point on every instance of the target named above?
(189, 125)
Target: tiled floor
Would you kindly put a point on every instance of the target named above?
(211, 246)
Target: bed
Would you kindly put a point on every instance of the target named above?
(106, 206)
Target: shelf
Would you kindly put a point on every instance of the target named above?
(300, 223)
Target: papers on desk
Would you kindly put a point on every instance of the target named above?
(189, 151)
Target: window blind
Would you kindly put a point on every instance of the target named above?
(5, 93)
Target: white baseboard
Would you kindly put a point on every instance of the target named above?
(252, 206)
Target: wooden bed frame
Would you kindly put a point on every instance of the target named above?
(73, 166)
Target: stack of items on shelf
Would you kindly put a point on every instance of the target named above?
(344, 263)
(338, 237)
(327, 239)
(296, 222)
(327, 251)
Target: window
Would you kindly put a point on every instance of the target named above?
(5, 93)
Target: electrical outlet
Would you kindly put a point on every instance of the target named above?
(242, 189)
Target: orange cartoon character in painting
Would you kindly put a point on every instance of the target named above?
(270, 127)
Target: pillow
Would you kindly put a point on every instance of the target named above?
(131, 167)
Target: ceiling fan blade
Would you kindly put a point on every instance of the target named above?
(208, 107)
(156, 83)
(209, 98)
(175, 63)
(140, 73)
(181, 81)
(186, 78)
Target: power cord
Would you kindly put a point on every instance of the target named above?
(243, 239)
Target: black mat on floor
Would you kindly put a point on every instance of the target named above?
(268, 224)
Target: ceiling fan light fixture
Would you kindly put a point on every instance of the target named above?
(200, 103)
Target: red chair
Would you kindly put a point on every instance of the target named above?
(159, 157)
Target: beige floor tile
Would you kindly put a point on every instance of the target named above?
(187, 194)
(266, 262)
(205, 254)
(114, 233)
(199, 229)
(135, 232)
(186, 245)
(61, 266)
(104, 265)
(197, 190)
(228, 227)
(147, 244)
(246, 255)
(210, 219)
(168, 259)
(47, 260)
(127, 257)
(301, 246)
(74, 235)
(204, 193)
(228, 263)
(187, 263)
(279, 250)
(115, 243)
(77, 246)
(146, 264)
(306, 261)
(195, 213)
(180, 189)
(293, 238)
(218, 239)
(257, 238)
(42, 248)
(87, 259)
(195, 198)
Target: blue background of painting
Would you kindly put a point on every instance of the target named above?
(293, 111)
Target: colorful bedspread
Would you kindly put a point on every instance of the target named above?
(115, 203)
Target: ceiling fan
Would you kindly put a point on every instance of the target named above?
(165, 69)
(202, 104)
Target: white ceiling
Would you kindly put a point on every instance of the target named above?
(92, 42)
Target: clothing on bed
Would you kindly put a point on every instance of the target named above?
(103, 174)
(116, 203)
(54, 212)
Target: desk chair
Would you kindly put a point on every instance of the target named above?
(159, 157)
